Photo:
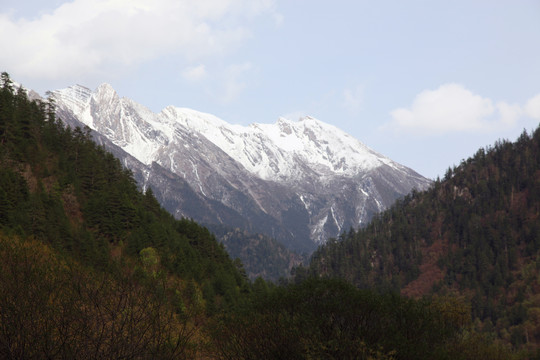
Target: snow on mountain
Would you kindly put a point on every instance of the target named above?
(271, 151)
(299, 181)
(276, 151)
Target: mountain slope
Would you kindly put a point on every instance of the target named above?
(90, 267)
(299, 182)
(261, 255)
(476, 233)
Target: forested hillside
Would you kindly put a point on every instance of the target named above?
(77, 234)
(475, 234)
(261, 255)
(91, 268)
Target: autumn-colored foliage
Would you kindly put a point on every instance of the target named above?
(476, 233)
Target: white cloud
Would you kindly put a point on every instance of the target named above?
(95, 35)
(509, 113)
(354, 99)
(233, 80)
(532, 108)
(195, 73)
(453, 108)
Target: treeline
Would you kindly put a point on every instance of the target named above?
(475, 233)
(59, 186)
(64, 196)
(331, 319)
(260, 255)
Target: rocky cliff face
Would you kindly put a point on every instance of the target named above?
(299, 182)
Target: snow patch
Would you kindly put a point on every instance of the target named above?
(199, 182)
(335, 220)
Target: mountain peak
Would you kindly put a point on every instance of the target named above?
(105, 87)
(77, 96)
(260, 170)
(105, 92)
(274, 152)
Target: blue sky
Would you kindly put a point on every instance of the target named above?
(426, 83)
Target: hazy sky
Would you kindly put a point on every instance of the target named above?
(426, 83)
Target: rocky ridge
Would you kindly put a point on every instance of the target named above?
(300, 182)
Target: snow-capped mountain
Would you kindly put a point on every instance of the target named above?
(298, 181)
